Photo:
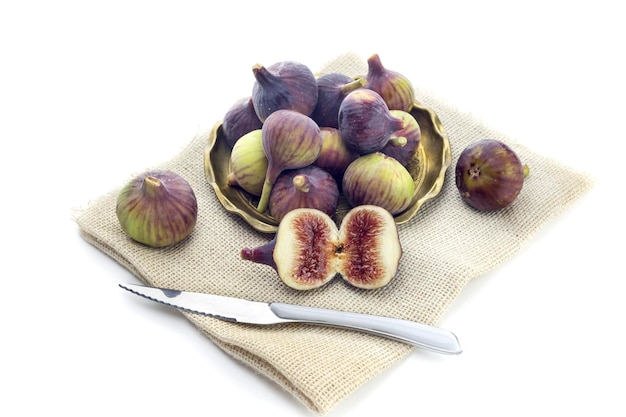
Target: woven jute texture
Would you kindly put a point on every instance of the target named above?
(321, 366)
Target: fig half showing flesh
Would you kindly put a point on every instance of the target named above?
(309, 250)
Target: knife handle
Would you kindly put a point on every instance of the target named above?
(413, 333)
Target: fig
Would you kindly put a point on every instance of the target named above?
(393, 87)
(309, 250)
(286, 85)
(240, 119)
(411, 132)
(489, 175)
(157, 208)
(378, 179)
(332, 88)
(308, 187)
(290, 140)
(335, 156)
(248, 163)
(365, 122)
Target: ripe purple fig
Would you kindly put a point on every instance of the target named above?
(393, 87)
(365, 122)
(411, 132)
(308, 187)
(332, 88)
(489, 175)
(290, 140)
(157, 208)
(309, 250)
(240, 119)
(284, 85)
(335, 156)
(248, 163)
(379, 180)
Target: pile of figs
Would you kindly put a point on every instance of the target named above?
(299, 142)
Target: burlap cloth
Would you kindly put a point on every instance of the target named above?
(445, 245)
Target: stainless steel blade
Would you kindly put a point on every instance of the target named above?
(223, 308)
(254, 312)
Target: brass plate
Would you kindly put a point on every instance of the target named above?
(428, 169)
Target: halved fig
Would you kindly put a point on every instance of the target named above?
(371, 250)
(304, 253)
(309, 250)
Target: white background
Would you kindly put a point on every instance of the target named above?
(91, 92)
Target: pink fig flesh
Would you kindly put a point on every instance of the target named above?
(305, 249)
(309, 250)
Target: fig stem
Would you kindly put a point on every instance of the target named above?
(349, 87)
(301, 182)
(398, 141)
(151, 186)
(261, 74)
(265, 196)
(263, 254)
(526, 170)
(375, 65)
(231, 180)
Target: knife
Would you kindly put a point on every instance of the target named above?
(254, 312)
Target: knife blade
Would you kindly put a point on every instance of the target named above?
(239, 310)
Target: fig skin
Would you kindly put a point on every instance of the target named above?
(489, 175)
(290, 140)
(411, 132)
(261, 254)
(380, 180)
(335, 156)
(332, 88)
(241, 118)
(309, 250)
(157, 208)
(286, 85)
(308, 187)
(248, 163)
(393, 87)
(365, 122)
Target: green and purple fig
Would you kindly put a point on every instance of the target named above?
(287, 85)
(489, 175)
(308, 187)
(157, 208)
(240, 119)
(248, 163)
(335, 156)
(365, 122)
(393, 87)
(290, 140)
(332, 88)
(309, 250)
(411, 132)
(380, 180)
